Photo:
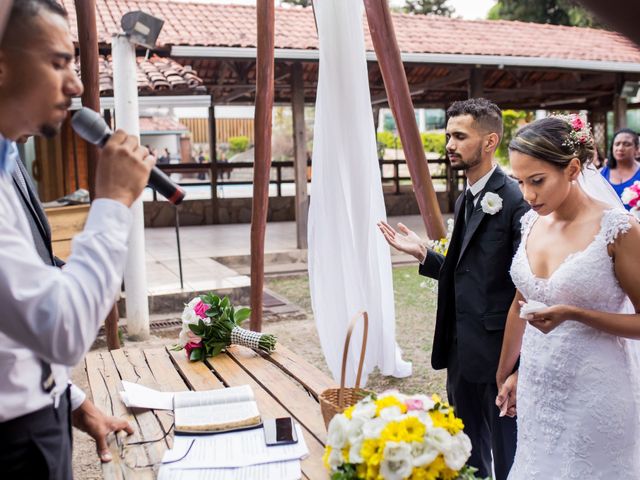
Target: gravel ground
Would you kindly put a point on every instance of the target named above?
(415, 319)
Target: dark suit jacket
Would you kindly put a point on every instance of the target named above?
(475, 289)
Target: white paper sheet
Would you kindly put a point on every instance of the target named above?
(136, 395)
(227, 450)
(289, 470)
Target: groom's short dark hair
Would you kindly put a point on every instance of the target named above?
(486, 114)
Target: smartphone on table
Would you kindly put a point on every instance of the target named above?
(279, 431)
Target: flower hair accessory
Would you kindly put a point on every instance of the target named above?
(580, 135)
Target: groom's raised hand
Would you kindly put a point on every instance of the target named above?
(404, 240)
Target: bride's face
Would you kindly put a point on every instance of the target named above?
(544, 186)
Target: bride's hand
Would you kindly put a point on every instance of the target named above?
(548, 319)
(507, 396)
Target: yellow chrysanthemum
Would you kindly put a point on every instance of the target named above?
(448, 421)
(393, 432)
(371, 451)
(349, 412)
(325, 457)
(435, 468)
(436, 398)
(361, 470)
(389, 401)
(419, 474)
(414, 428)
(448, 474)
(373, 472)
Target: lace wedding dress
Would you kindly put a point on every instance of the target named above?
(578, 397)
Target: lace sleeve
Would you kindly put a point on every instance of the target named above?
(526, 221)
(615, 222)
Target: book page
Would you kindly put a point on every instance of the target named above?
(206, 418)
(229, 450)
(287, 470)
(242, 393)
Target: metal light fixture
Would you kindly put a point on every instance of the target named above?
(141, 28)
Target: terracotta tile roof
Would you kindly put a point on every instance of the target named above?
(154, 75)
(198, 24)
(161, 124)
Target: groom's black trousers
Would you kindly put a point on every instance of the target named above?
(475, 404)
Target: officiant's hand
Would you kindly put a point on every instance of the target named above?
(403, 239)
(90, 419)
(507, 393)
(548, 319)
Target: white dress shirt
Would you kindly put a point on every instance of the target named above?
(479, 185)
(48, 313)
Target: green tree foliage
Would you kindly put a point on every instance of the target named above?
(423, 7)
(300, 3)
(555, 12)
(512, 120)
(434, 142)
(238, 144)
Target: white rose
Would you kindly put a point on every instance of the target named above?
(193, 302)
(373, 428)
(337, 435)
(364, 410)
(491, 203)
(422, 416)
(354, 430)
(459, 451)
(423, 453)
(627, 196)
(183, 338)
(397, 462)
(391, 413)
(438, 438)
(189, 316)
(335, 458)
(354, 452)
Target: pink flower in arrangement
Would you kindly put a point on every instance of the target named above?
(192, 346)
(201, 309)
(577, 123)
(414, 404)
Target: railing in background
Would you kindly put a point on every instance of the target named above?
(393, 173)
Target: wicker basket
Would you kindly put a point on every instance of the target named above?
(336, 400)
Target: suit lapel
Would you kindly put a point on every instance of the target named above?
(32, 202)
(496, 182)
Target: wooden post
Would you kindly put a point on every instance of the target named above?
(300, 153)
(262, 161)
(475, 86)
(397, 88)
(88, 42)
(619, 112)
(213, 158)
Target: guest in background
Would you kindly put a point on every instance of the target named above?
(622, 168)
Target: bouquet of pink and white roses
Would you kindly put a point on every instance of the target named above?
(210, 324)
(631, 197)
(395, 436)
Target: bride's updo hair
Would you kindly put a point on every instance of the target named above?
(556, 139)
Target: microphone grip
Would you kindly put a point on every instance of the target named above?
(161, 182)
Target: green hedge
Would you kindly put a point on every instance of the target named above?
(434, 142)
(238, 144)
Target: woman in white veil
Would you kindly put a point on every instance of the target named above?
(578, 378)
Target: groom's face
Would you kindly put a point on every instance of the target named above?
(464, 142)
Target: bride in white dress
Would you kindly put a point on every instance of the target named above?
(578, 379)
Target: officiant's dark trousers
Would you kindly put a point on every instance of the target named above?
(37, 446)
(475, 404)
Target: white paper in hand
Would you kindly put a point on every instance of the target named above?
(532, 306)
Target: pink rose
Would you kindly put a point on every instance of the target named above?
(201, 309)
(193, 338)
(634, 203)
(577, 123)
(191, 346)
(414, 404)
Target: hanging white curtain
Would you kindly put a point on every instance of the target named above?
(349, 260)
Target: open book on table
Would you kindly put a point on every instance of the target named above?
(214, 411)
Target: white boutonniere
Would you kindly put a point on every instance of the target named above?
(491, 203)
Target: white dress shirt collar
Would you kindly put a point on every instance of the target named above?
(479, 185)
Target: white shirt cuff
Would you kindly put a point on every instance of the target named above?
(77, 397)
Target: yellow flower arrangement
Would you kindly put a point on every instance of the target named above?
(394, 437)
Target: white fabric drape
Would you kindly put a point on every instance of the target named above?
(349, 260)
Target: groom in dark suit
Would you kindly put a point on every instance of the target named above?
(475, 289)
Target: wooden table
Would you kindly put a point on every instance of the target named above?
(283, 384)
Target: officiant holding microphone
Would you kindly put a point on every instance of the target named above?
(50, 317)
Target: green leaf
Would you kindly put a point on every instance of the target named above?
(196, 354)
(176, 348)
(241, 315)
(225, 302)
(197, 329)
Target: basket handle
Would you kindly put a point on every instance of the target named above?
(363, 350)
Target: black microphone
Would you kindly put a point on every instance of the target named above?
(91, 126)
